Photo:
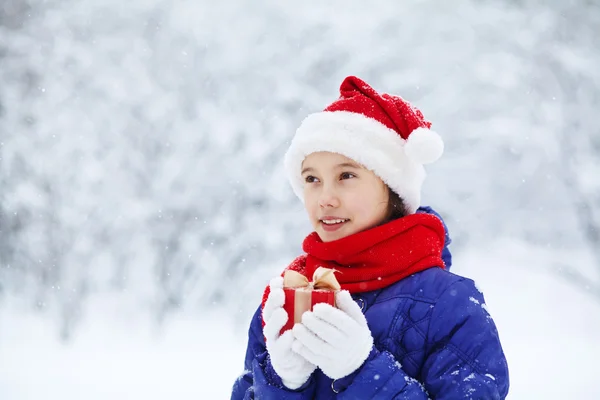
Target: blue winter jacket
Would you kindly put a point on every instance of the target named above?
(433, 339)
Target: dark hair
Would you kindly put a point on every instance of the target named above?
(396, 206)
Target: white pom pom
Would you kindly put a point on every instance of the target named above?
(424, 146)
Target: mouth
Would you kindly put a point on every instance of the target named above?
(334, 221)
(332, 224)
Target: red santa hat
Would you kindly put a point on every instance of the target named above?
(383, 132)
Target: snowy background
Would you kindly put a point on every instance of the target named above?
(143, 206)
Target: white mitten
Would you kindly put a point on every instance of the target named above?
(337, 340)
(293, 369)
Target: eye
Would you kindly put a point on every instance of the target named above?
(347, 175)
(310, 179)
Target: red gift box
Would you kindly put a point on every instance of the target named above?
(301, 295)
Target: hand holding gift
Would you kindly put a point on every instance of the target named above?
(337, 340)
(293, 369)
(301, 294)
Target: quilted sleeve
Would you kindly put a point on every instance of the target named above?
(465, 358)
(259, 380)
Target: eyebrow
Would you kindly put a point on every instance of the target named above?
(348, 164)
(342, 165)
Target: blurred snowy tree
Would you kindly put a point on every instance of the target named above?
(570, 76)
(141, 142)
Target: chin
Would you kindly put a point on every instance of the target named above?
(329, 239)
(332, 236)
(328, 236)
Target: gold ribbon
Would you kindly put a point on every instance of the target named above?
(323, 279)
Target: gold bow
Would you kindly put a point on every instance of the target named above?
(323, 278)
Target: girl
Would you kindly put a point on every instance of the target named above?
(404, 327)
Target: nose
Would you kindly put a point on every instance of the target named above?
(328, 198)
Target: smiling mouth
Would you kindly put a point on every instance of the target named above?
(334, 221)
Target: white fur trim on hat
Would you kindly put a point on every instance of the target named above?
(364, 140)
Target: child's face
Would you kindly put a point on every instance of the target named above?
(341, 196)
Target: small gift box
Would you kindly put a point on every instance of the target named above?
(301, 295)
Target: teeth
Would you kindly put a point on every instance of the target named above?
(333, 221)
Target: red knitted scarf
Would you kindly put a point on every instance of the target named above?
(376, 258)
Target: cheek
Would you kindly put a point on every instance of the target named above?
(310, 203)
(368, 207)
(361, 206)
